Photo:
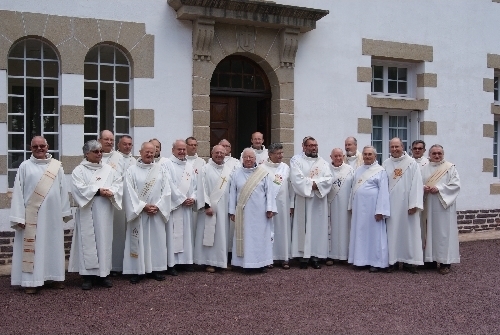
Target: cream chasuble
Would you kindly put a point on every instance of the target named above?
(369, 196)
(310, 220)
(93, 235)
(354, 161)
(146, 241)
(406, 192)
(441, 231)
(48, 234)
(179, 227)
(210, 247)
(339, 216)
(281, 222)
(256, 228)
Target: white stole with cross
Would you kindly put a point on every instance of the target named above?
(370, 172)
(215, 196)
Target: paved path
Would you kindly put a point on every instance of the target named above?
(337, 299)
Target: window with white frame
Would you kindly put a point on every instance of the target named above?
(393, 79)
(33, 101)
(495, 149)
(386, 126)
(106, 92)
(495, 88)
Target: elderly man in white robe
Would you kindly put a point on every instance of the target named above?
(180, 242)
(258, 148)
(119, 221)
(338, 201)
(251, 207)
(212, 229)
(311, 179)
(146, 200)
(370, 206)
(406, 198)
(352, 156)
(418, 151)
(198, 163)
(281, 187)
(97, 189)
(40, 204)
(441, 189)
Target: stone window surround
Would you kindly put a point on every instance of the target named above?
(492, 62)
(263, 31)
(71, 38)
(399, 52)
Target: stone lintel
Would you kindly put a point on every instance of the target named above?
(142, 118)
(254, 13)
(426, 80)
(488, 130)
(364, 74)
(428, 128)
(397, 50)
(394, 103)
(488, 165)
(364, 126)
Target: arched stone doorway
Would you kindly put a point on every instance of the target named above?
(240, 103)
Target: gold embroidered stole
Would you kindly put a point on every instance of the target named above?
(215, 196)
(247, 190)
(143, 195)
(399, 169)
(88, 240)
(35, 201)
(438, 174)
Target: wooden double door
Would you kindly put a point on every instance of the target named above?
(235, 118)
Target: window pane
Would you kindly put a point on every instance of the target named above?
(51, 69)
(90, 107)
(87, 138)
(259, 83)
(16, 123)
(50, 106)
(402, 134)
(17, 50)
(378, 85)
(393, 121)
(92, 55)
(52, 141)
(107, 54)
(32, 83)
(236, 81)
(16, 141)
(50, 124)
(50, 88)
(122, 108)
(16, 105)
(122, 91)
(377, 134)
(223, 80)
(120, 58)
(214, 81)
(90, 125)
(402, 88)
(393, 132)
(16, 67)
(122, 126)
(392, 73)
(33, 49)
(90, 71)
(236, 66)
(377, 120)
(15, 159)
(90, 90)
(377, 71)
(48, 52)
(248, 82)
(224, 66)
(122, 73)
(402, 73)
(33, 68)
(106, 73)
(402, 121)
(12, 176)
(392, 87)
(248, 68)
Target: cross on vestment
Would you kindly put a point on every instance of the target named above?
(223, 181)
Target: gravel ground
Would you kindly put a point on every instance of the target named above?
(337, 299)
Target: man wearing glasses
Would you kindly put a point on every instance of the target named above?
(417, 151)
(40, 203)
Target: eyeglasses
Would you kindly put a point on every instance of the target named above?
(312, 145)
(97, 152)
(417, 148)
(41, 146)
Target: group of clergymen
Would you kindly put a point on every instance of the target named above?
(154, 214)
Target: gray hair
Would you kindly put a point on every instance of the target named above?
(178, 140)
(91, 146)
(353, 139)
(370, 147)
(248, 150)
(273, 147)
(143, 144)
(437, 146)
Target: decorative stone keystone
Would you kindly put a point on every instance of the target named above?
(289, 43)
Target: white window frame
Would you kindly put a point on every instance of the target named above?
(410, 75)
(412, 130)
(496, 149)
(495, 87)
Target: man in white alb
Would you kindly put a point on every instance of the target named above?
(441, 189)
(370, 206)
(97, 189)
(40, 204)
(251, 207)
(158, 157)
(146, 200)
(352, 156)
(282, 225)
(418, 151)
(258, 148)
(212, 229)
(198, 163)
(311, 179)
(338, 201)
(406, 198)
(180, 224)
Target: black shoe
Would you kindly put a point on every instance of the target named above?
(156, 276)
(303, 265)
(373, 269)
(105, 282)
(172, 271)
(410, 268)
(389, 269)
(114, 273)
(87, 284)
(188, 268)
(315, 265)
(263, 270)
(134, 279)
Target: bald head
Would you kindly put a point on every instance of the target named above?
(218, 154)
(107, 140)
(337, 157)
(257, 140)
(396, 147)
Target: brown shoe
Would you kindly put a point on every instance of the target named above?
(57, 285)
(30, 290)
(329, 262)
(210, 269)
(285, 265)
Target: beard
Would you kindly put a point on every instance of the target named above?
(350, 153)
(312, 154)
